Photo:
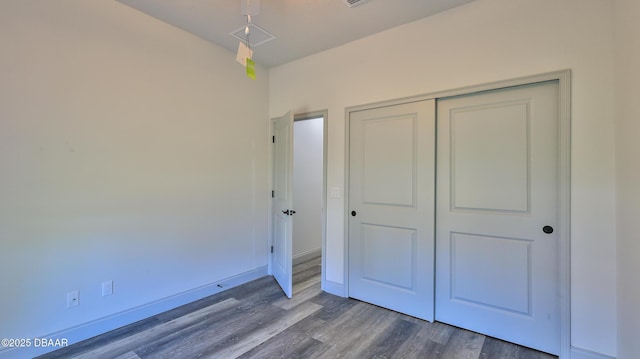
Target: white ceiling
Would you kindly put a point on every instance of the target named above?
(301, 27)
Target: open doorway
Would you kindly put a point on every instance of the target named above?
(301, 238)
(308, 193)
(308, 167)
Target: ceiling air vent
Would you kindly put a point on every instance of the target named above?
(352, 3)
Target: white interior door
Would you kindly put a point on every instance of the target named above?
(391, 200)
(497, 190)
(282, 202)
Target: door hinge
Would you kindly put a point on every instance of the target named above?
(273, 194)
(271, 249)
(273, 139)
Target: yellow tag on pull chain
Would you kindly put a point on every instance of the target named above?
(251, 69)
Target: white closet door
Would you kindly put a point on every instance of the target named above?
(391, 199)
(497, 208)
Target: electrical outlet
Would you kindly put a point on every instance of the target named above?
(107, 288)
(73, 299)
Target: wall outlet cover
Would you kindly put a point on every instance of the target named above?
(107, 288)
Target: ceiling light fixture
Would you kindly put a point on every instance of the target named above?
(249, 35)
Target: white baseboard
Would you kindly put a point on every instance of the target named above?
(334, 288)
(579, 353)
(91, 329)
(306, 256)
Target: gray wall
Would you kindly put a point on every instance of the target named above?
(127, 153)
(627, 40)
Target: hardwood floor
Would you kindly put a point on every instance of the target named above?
(256, 320)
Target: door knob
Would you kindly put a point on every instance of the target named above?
(547, 229)
(286, 212)
(289, 212)
(353, 213)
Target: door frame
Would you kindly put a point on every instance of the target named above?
(564, 176)
(300, 117)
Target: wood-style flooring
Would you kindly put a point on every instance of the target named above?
(256, 320)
